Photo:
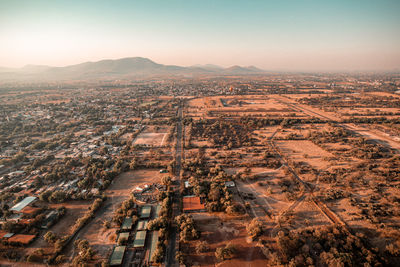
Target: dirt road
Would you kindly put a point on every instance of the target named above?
(381, 138)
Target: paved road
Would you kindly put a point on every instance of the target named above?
(172, 246)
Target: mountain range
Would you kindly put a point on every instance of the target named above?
(124, 68)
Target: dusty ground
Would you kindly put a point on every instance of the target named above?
(218, 230)
(304, 150)
(151, 139)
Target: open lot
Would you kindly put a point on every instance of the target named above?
(150, 139)
(219, 230)
(304, 150)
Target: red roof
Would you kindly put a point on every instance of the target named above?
(30, 210)
(22, 239)
(192, 204)
(2, 233)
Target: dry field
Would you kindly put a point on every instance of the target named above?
(236, 106)
(152, 136)
(304, 150)
(150, 139)
(306, 214)
(218, 230)
(276, 204)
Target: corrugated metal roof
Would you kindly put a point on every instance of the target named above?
(142, 225)
(117, 255)
(158, 209)
(123, 236)
(153, 245)
(127, 224)
(140, 238)
(23, 203)
(145, 212)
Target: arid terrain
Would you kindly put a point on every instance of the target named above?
(262, 170)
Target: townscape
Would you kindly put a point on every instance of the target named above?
(266, 169)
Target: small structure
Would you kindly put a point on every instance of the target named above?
(117, 256)
(140, 239)
(145, 212)
(31, 211)
(127, 224)
(187, 184)
(5, 235)
(153, 245)
(192, 204)
(50, 219)
(142, 225)
(123, 238)
(23, 203)
(230, 184)
(157, 212)
(21, 239)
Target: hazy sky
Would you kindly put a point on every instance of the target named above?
(271, 34)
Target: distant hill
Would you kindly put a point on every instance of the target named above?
(209, 67)
(115, 69)
(242, 70)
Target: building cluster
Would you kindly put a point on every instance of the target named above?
(135, 244)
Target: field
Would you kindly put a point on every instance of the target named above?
(297, 194)
(219, 230)
(150, 139)
(152, 136)
(304, 150)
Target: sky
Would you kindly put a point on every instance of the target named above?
(293, 35)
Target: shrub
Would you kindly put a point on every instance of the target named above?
(254, 228)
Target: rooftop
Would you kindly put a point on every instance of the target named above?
(192, 203)
(23, 203)
(145, 212)
(127, 223)
(117, 255)
(22, 239)
(140, 238)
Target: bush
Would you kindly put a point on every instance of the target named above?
(254, 228)
(50, 237)
(202, 247)
(227, 252)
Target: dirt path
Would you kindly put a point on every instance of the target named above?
(384, 140)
